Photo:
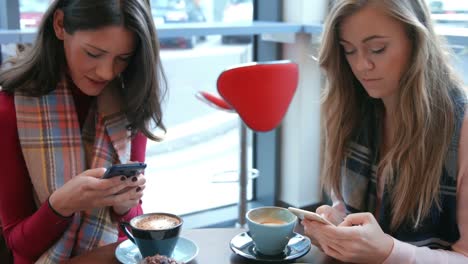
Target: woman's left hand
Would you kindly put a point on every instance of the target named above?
(358, 239)
(130, 197)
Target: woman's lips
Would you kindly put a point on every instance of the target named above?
(371, 79)
(99, 83)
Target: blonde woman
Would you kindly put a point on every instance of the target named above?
(396, 138)
(81, 99)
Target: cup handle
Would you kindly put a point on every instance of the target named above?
(123, 226)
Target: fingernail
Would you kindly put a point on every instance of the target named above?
(122, 178)
(138, 189)
(134, 179)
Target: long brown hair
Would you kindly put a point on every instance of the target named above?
(414, 161)
(38, 71)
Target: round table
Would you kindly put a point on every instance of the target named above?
(213, 244)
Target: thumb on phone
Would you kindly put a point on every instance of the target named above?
(330, 213)
(96, 172)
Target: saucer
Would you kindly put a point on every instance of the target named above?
(128, 253)
(243, 245)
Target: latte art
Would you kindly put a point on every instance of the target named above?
(155, 222)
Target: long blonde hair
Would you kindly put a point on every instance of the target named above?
(414, 161)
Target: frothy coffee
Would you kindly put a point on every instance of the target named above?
(155, 222)
(271, 221)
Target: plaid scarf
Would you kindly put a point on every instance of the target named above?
(359, 183)
(55, 150)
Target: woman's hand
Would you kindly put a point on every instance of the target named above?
(131, 195)
(358, 239)
(328, 212)
(331, 214)
(87, 191)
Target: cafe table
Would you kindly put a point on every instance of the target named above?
(213, 245)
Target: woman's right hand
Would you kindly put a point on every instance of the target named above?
(87, 191)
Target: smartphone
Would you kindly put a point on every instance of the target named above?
(127, 170)
(309, 215)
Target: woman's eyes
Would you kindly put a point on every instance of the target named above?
(349, 52)
(374, 51)
(92, 55)
(379, 50)
(124, 59)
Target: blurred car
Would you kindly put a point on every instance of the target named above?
(448, 6)
(237, 11)
(31, 12)
(450, 12)
(177, 11)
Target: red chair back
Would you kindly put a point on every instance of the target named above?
(260, 92)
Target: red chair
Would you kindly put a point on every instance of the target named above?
(260, 93)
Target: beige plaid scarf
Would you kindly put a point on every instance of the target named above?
(55, 150)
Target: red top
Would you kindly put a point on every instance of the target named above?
(30, 231)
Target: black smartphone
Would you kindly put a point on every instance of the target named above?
(127, 170)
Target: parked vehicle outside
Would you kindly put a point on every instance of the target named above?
(31, 12)
(448, 6)
(177, 11)
(450, 12)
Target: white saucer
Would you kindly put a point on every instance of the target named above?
(297, 247)
(185, 251)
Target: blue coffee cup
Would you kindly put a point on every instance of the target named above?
(271, 228)
(154, 233)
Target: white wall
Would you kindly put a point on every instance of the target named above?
(301, 127)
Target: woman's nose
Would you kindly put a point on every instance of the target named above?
(105, 70)
(363, 63)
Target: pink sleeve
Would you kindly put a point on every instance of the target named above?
(407, 253)
(28, 232)
(138, 153)
(138, 150)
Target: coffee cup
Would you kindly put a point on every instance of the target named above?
(154, 233)
(271, 228)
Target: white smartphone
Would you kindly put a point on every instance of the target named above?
(309, 215)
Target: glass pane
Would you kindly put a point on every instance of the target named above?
(31, 12)
(195, 168)
(198, 11)
(451, 16)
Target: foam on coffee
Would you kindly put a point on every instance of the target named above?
(270, 221)
(155, 222)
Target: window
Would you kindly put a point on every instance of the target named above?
(451, 18)
(194, 168)
(31, 12)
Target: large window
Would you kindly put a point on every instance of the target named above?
(198, 160)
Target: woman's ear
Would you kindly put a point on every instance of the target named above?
(58, 24)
